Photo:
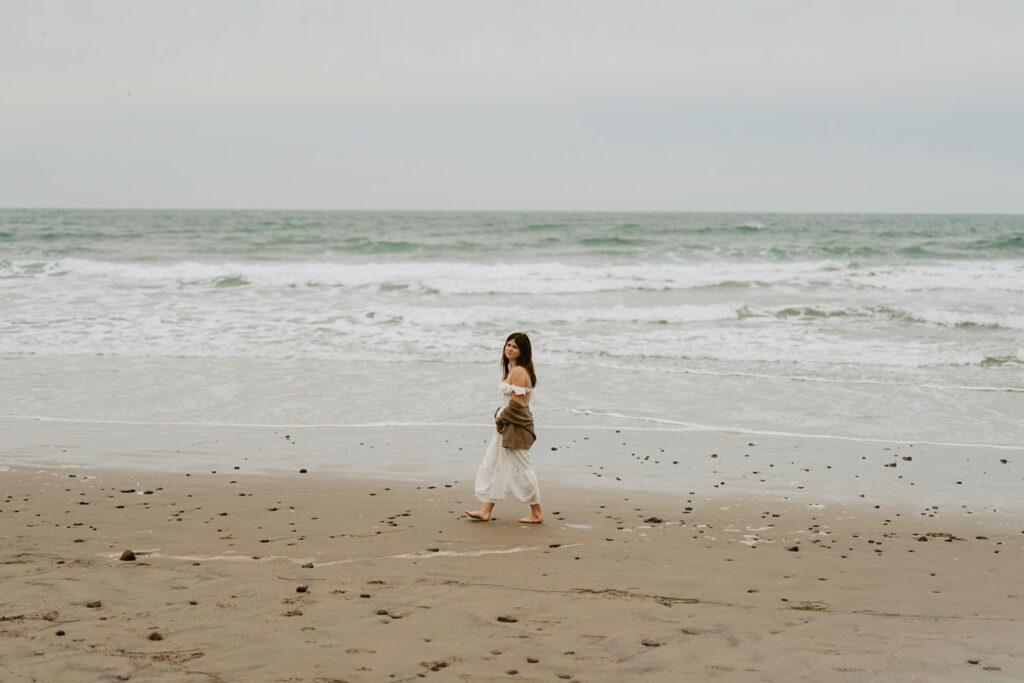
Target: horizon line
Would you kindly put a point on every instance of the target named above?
(525, 211)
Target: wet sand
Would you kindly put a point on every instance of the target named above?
(322, 576)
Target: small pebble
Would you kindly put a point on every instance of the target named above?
(127, 556)
(532, 660)
(301, 589)
(308, 565)
(507, 619)
(650, 643)
(155, 636)
(382, 612)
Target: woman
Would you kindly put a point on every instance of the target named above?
(505, 471)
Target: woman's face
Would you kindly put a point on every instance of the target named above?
(511, 350)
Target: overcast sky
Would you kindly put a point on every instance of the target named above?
(863, 105)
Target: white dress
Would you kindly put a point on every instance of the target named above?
(505, 473)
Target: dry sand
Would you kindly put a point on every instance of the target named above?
(317, 577)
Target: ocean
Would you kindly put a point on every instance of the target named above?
(890, 327)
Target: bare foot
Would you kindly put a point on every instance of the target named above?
(481, 514)
(532, 519)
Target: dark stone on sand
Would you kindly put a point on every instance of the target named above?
(364, 595)
(147, 493)
(505, 619)
(653, 520)
(308, 565)
(59, 633)
(512, 672)
(94, 604)
(495, 652)
(564, 676)
(124, 677)
(301, 589)
(127, 490)
(382, 612)
(648, 642)
(302, 471)
(127, 556)
(554, 448)
(793, 549)
(532, 660)
(923, 539)
(395, 615)
(973, 661)
(555, 545)
(433, 550)
(79, 540)
(155, 635)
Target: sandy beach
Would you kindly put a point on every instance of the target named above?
(329, 576)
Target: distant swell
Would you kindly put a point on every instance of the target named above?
(455, 277)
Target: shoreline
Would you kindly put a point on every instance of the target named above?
(306, 578)
(661, 426)
(773, 467)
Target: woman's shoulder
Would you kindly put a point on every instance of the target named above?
(519, 376)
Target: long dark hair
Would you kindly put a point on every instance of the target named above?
(525, 359)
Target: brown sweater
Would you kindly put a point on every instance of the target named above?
(516, 426)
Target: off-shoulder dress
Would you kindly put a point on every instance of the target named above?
(506, 473)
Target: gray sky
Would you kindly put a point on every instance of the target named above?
(721, 105)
